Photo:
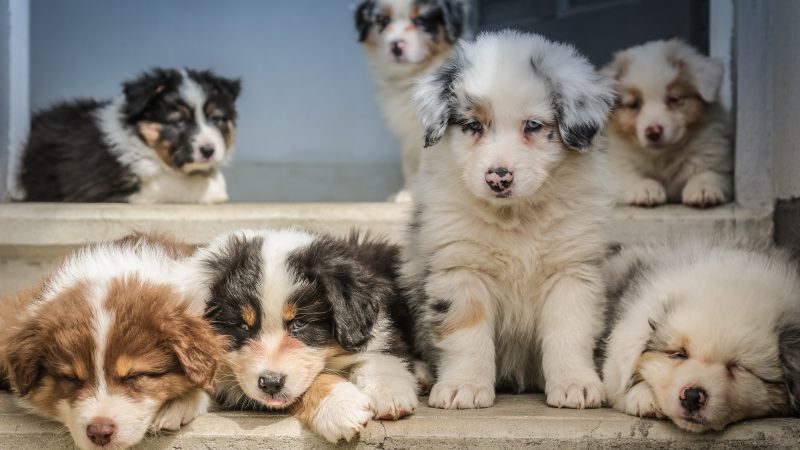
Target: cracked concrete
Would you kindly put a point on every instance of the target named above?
(515, 422)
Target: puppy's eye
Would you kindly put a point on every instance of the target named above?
(674, 101)
(474, 127)
(532, 126)
(633, 104)
(734, 368)
(383, 20)
(295, 325)
(244, 327)
(70, 378)
(680, 354)
(138, 376)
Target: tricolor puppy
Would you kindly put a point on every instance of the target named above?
(161, 142)
(668, 136)
(404, 39)
(705, 334)
(108, 346)
(314, 324)
(507, 233)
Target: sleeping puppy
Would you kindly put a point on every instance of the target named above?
(162, 141)
(507, 231)
(404, 39)
(705, 334)
(314, 324)
(108, 346)
(668, 136)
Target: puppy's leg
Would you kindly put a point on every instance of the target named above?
(640, 191)
(461, 321)
(639, 401)
(215, 190)
(569, 325)
(388, 383)
(334, 408)
(707, 189)
(181, 411)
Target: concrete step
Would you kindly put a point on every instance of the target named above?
(521, 421)
(33, 236)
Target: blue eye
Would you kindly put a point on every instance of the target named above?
(532, 126)
(473, 126)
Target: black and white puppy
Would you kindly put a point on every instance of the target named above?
(162, 141)
(508, 229)
(314, 324)
(404, 39)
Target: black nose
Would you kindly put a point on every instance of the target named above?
(397, 48)
(499, 178)
(207, 151)
(271, 382)
(693, 398)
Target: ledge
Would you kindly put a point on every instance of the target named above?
(522, 421)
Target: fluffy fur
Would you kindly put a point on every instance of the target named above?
(705, 334)
(404, 39)
(506, 236)
(162, 141)
(108, 346)
(296, 305)
(669, 138)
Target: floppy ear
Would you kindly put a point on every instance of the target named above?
(789, 347)
(363, 18)
(705, 73)
(141, 91)
(230, 86)
(436, 98)
(582, 97)
(455, 16)
(23, 358)
(197, 347)
(617, 67)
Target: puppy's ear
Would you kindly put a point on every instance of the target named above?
(363, 18)
(582, 97)
(617, 67)
(789, 347)
(455, 17)
(23, 359)
(141, 91)
(197, 347)
(705, 73)
(230, 86)
(436, 98)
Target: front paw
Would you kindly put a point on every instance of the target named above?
(576, 393)
(646, 192)
(393, 398)
(461, 395)
(640, 401)
(702, 195)
(181, 411)
(343, 413)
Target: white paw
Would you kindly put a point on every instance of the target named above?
(181, 411)
(402, 196)
(342, 414)
(461, 395)
(701, 195)
(639, 401)
(393, 398)
(576, 393)
(646, 192)
(217, 191)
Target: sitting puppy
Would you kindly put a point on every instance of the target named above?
(161, 142)
(703, 334)
(668, 136)
(404, 39)
(314, 326)
(108, 346)
(507, 231)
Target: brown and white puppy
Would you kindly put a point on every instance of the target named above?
(315, 326)
(404, 39)
(705, 334)
(668, 135)
(108, 346)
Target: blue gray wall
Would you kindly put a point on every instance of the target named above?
(309, 130)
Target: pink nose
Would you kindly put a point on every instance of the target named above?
(100, 431)
(499, 179)
(653, 132)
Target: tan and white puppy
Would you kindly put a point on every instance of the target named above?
(404, 39)
(504, 245)
(669, 136)
(108, 346)
(705, 334)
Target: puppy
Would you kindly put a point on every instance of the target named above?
(404, 39)
(161, 142)
(703, 334)
(314, 323)
(668, 136)
(505, 240)
(108, 346)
